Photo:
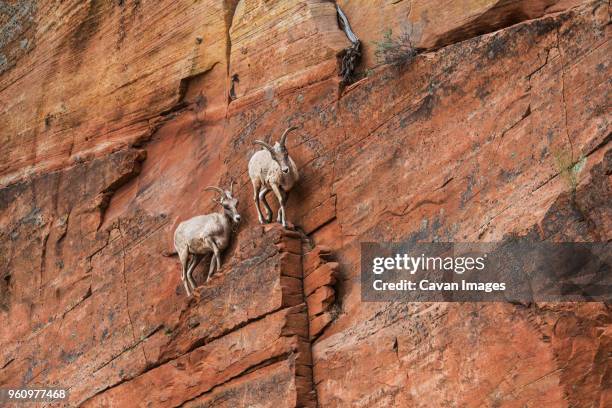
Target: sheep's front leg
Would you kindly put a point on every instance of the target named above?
(285, 198)
(281, 204)
(262, 197)
(256, 187)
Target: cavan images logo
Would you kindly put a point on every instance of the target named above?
(512, 271)
(412, 265)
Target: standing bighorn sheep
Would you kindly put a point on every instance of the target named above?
(272, 169)
(206, 234)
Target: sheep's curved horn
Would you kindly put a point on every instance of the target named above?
(283, 138)
(264, 144)
(232, 187)
(213, 188)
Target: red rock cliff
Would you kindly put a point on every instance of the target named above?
(114, 116)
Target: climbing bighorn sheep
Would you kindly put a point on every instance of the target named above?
(272, 169)
(206, 234)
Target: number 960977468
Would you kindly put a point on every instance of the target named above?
(33, 394)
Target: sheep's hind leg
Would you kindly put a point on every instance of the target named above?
(184, 257)
(195, 260)
(216, 254)
(211, 268)
(256, 187)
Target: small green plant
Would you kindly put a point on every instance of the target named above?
(568, 168)
(395, 51)
(335, 311)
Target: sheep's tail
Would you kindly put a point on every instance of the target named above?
(167, 253)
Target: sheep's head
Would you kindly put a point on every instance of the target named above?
(279, 151)
(227, 201)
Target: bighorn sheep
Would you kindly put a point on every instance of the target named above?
(272, 169)
(206, 234)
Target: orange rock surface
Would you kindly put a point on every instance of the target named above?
(114, 117)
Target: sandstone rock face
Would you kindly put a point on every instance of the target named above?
(434, 24)
(304, 44)
(97, 76)
(114, 116)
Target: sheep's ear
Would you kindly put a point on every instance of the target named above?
(214, 200)
(264, 144)
(283, 138)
